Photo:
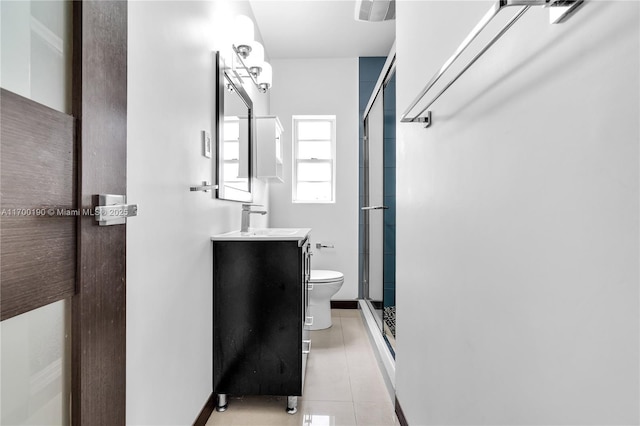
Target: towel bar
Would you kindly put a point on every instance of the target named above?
(559, 11)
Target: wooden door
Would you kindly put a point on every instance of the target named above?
(53, 166)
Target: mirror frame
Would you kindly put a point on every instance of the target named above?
(222, 192)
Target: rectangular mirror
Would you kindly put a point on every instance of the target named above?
(234, 135)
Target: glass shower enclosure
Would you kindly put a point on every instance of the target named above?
(378, 205)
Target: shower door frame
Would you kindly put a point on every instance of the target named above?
(388, 71)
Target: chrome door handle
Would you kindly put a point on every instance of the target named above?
(113, 210)
(374, 208)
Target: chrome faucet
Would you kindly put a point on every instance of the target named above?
(246, 211)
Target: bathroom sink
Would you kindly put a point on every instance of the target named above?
(264, 234)
(272, 232)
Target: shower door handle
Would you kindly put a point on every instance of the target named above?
(374, 208)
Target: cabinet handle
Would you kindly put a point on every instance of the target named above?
(308, 321)
(308, 342)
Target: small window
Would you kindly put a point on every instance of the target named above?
(314, 158)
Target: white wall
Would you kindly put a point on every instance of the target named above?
(169, 267)
(322, 87)
(517, 231)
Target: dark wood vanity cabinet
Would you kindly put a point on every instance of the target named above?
(260, 303)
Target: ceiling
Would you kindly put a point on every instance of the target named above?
(293, 29)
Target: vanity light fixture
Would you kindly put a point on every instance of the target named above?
(243, 35)
(249, 55)
(256, 60)
(265, 79)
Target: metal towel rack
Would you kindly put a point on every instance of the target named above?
(205, 187)
(323, 245)
(559, 11)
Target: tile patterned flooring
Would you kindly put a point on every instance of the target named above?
(343, 386)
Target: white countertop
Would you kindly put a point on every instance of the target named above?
(265, 234)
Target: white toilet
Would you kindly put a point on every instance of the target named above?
(323, 285)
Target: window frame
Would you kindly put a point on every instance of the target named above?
(295, 161)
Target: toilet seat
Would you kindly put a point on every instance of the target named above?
(322, 276)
